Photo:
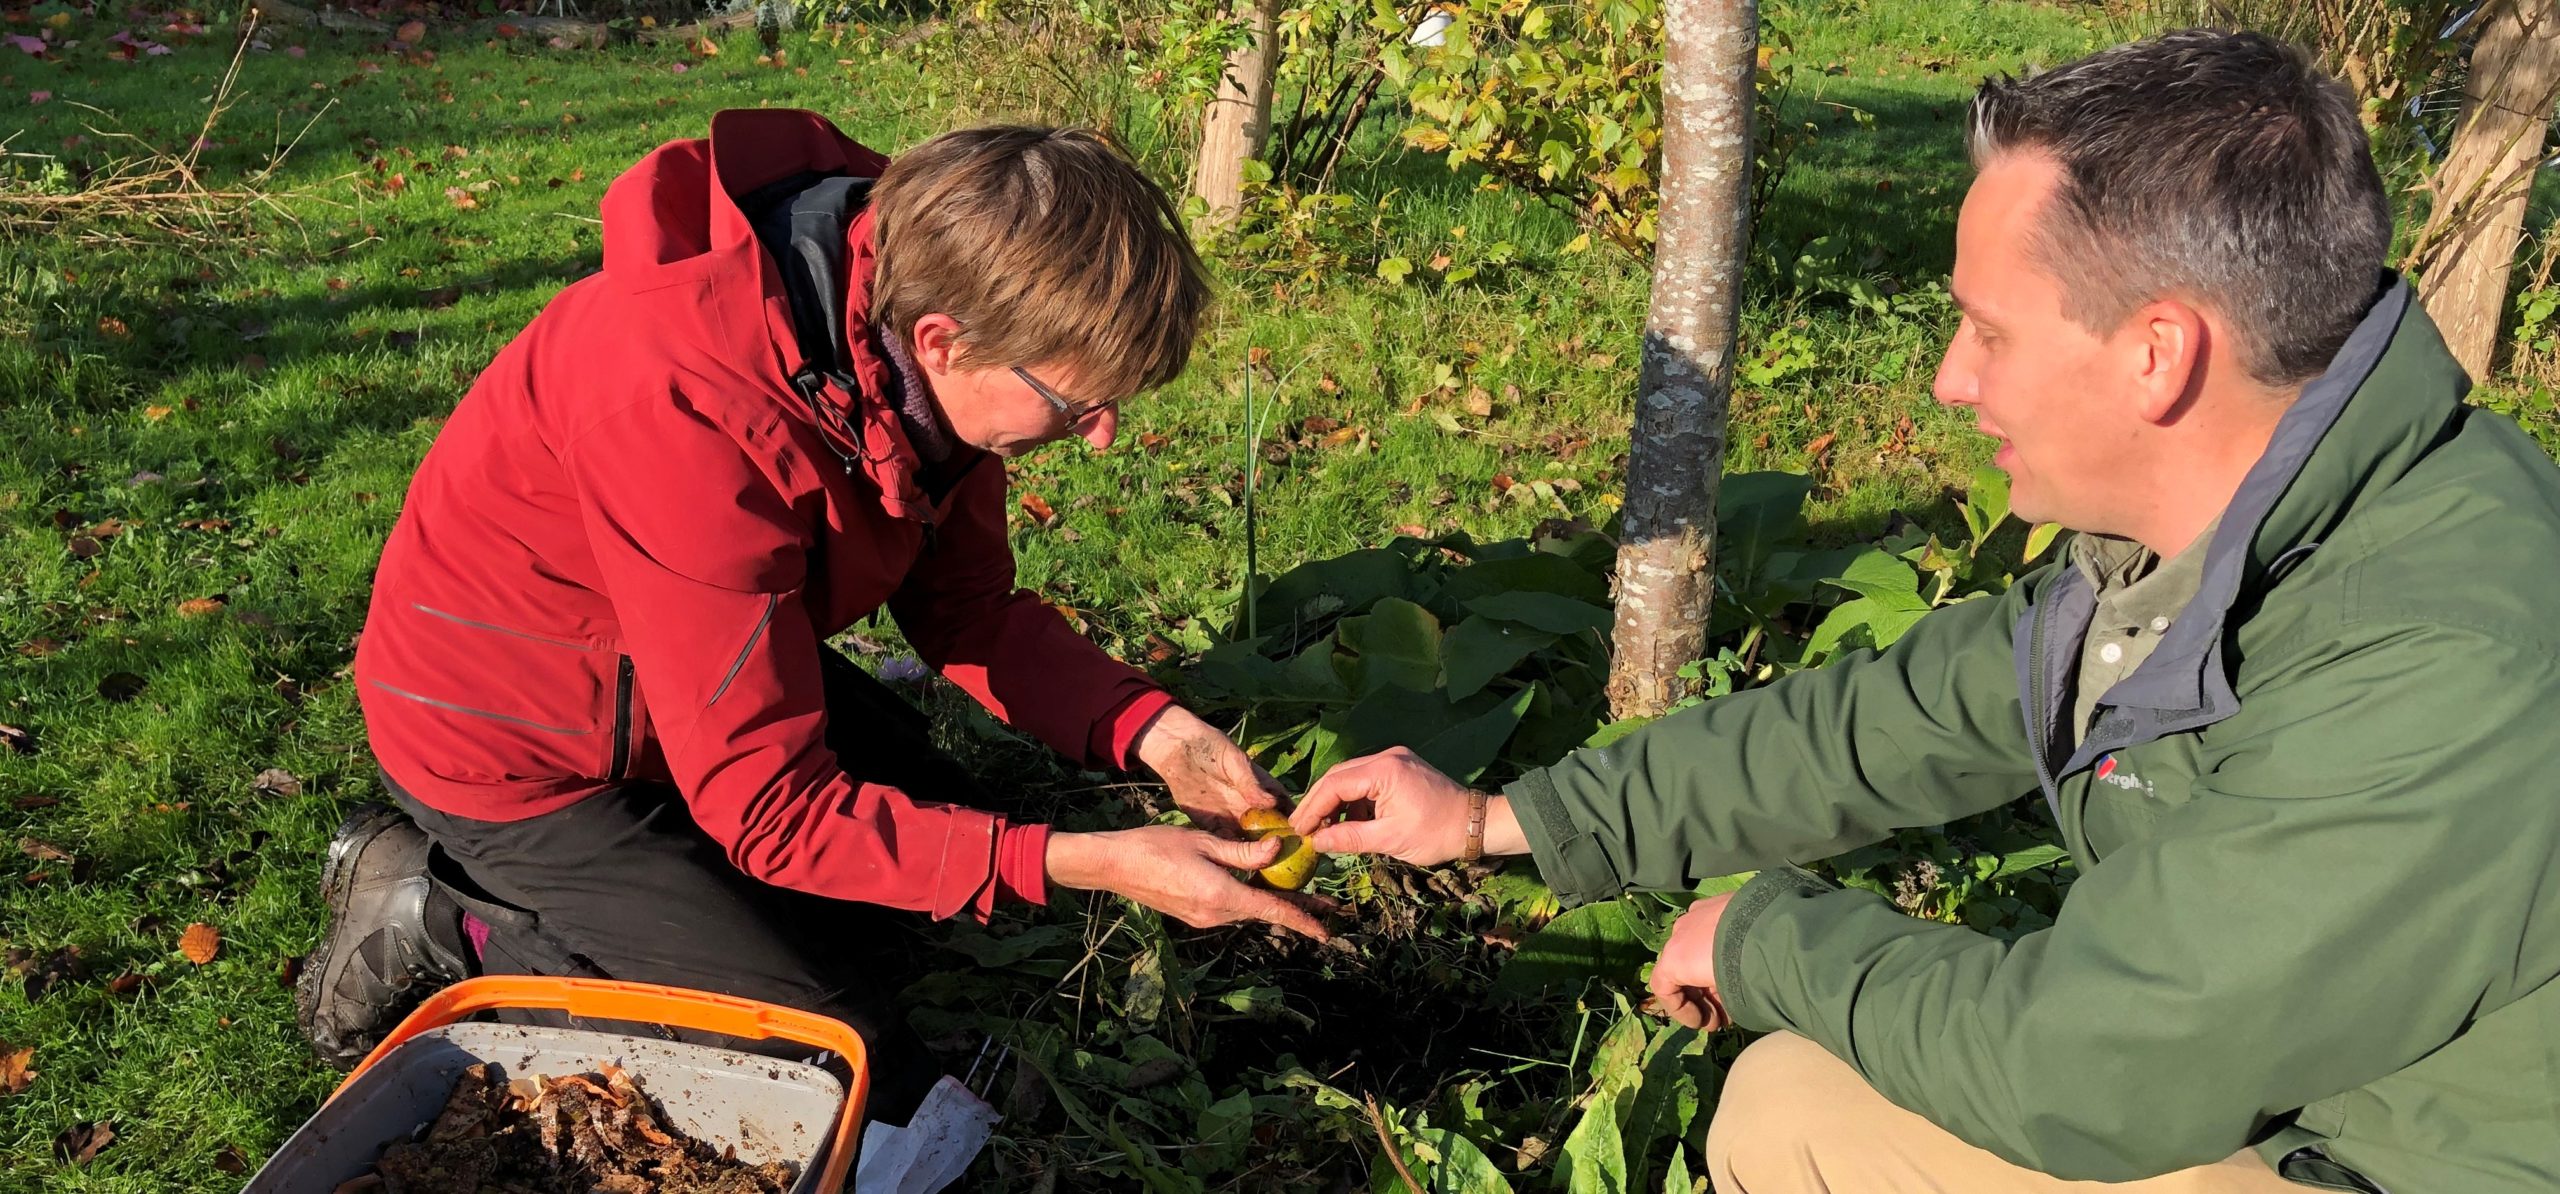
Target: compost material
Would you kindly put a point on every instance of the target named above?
(578, 1134)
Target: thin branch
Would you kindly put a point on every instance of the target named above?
(1395, 1156)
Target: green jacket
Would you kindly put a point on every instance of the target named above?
(2318, 909)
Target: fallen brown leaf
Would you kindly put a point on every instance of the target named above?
(1039, 509)
(18, 740)
(276, 781)
(157, 413)
(411, 32)
(81, 1143)
(200, 943)
(231, 1161)
(197, 607)
(42, 850)
(15, 1072)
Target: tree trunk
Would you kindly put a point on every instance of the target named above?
(1238, 121)
(2482, 188)
(1675, 452)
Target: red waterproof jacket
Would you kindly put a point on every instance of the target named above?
(620, 557)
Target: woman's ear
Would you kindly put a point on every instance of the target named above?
(937, 344)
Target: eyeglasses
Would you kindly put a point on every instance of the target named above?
(1075, 415)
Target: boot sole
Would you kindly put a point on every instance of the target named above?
(337, 872)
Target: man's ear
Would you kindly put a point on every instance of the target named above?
(937, 344)
(2166, 341)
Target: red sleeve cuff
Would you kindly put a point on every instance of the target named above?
(1022, 864)
(1115, 734)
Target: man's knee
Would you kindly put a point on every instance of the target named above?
(1780, 1106)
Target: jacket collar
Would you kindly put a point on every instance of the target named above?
(673, 224)
(2384, 400)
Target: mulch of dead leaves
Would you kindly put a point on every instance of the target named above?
(578, 1134)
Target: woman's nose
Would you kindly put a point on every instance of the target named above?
(1100, 428)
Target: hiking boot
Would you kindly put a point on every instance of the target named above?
(383, 952)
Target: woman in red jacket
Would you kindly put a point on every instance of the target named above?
(594, 671)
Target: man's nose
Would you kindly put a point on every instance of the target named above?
(1101, 428)
(1957, 382)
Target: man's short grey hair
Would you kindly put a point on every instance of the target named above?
(2220, 168)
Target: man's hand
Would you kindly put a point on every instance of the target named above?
(1211, 778)
(1414, 813)
(1184, 873)
(1684, 977)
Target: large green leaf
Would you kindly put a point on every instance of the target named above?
(1445, 1162)
(1392, 716)
(1755, 514)
(1537, 572)
(1665, 1099)
(1220, 1136)
(1883, 579)
(1396, 643)
(1592, 941)
(1595, 1155)
(1986, 505)
(1240, 669)
(1554, 726)
(1859, 625)
(1292, 605)
(1550, 612)
(1312, 676)
(2038, 539)
(1480, 648)
(2020, 862)
(1464, 750)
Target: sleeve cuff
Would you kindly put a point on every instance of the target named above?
(1022, 865)
(1733, 934)
(1569, 858)
(1115, 734)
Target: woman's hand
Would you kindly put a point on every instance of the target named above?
(1211, 778)
(1184, 873)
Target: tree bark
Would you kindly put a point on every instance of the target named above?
(1237, 123)
(1675, 451)
(2482, 188)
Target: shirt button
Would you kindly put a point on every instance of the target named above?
(2159, 625)
(2111, 653)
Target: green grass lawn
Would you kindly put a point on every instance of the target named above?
(207, 436)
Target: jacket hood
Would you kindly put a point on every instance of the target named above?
(677, 243)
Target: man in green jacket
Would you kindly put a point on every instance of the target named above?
(2289, 699)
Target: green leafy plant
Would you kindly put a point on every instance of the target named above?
(1473, 655)
(1563, 101)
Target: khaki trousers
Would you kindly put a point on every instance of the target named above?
(1793, 1119)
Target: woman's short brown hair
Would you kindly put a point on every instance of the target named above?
(1046, 246)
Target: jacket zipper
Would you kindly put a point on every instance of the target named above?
(2038, 709)
(621, 719)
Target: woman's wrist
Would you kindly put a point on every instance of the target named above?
(1078, 860)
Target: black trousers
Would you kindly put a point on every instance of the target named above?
(624, 884)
